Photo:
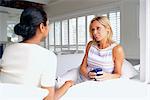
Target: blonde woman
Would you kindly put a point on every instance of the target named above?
(103, 57)
(102, 52)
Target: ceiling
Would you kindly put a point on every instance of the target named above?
(20, 4)
(50, 2)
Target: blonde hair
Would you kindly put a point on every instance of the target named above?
(106, 23)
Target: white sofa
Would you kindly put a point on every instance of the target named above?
(119, 89)
(70, 61)
(116, 89)
(67, 62)
(21, 92)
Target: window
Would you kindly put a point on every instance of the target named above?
(10, 33)
(81, 31)
(51, 37)
(89, 18)
(51, 34)
(73, 33)
(65, 33)
(57, 33)
(114, 18)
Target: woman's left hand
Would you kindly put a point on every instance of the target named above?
(103, 77)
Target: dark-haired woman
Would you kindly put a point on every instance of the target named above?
(28, 63)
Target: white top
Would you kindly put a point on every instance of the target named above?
(28, 64)
(101, 58)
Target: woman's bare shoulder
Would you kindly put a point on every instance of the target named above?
(118, 48)
(118, 51)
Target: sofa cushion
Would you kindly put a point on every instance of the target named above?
(21, 92)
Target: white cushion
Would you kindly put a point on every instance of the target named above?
(128, 70)
(67, 62)
(137, 67)
(21, 92)
(115, 89)
(69, 75)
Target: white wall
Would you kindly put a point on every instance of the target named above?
(130, 28)
(145, 40)
(129, 19)
(70, 6)
(3, 27)
(6, 15)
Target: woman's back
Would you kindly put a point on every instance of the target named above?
(28, 64)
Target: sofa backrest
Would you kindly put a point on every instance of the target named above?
(67, 62)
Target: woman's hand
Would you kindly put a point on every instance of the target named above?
(91, 75)
(69, 83)
(63, 89)
(103, 77)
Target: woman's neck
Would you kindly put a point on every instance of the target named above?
(103, 44)
(33, 40)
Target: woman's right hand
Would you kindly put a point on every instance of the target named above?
(70, 83)
(63, 89)
(91, 75)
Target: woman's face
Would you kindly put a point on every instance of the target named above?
(47, 29)
(99, 32)
(44, 30)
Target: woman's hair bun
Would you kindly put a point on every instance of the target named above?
(25, 31)
(19, 29)
(30, 20)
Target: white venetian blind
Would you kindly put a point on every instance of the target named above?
(114, 18)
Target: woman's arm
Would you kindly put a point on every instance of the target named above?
(55, 94)
(63, 89)
(118, 57)
(51, 94)
(83, 66)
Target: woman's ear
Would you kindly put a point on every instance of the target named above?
(42, 28)
(108, 30)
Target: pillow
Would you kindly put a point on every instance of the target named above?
(21, 92)
(69, 75)
(137, 67)
(128, 70)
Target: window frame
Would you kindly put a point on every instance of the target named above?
(77, 46)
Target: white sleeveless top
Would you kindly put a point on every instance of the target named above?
(101, 58)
